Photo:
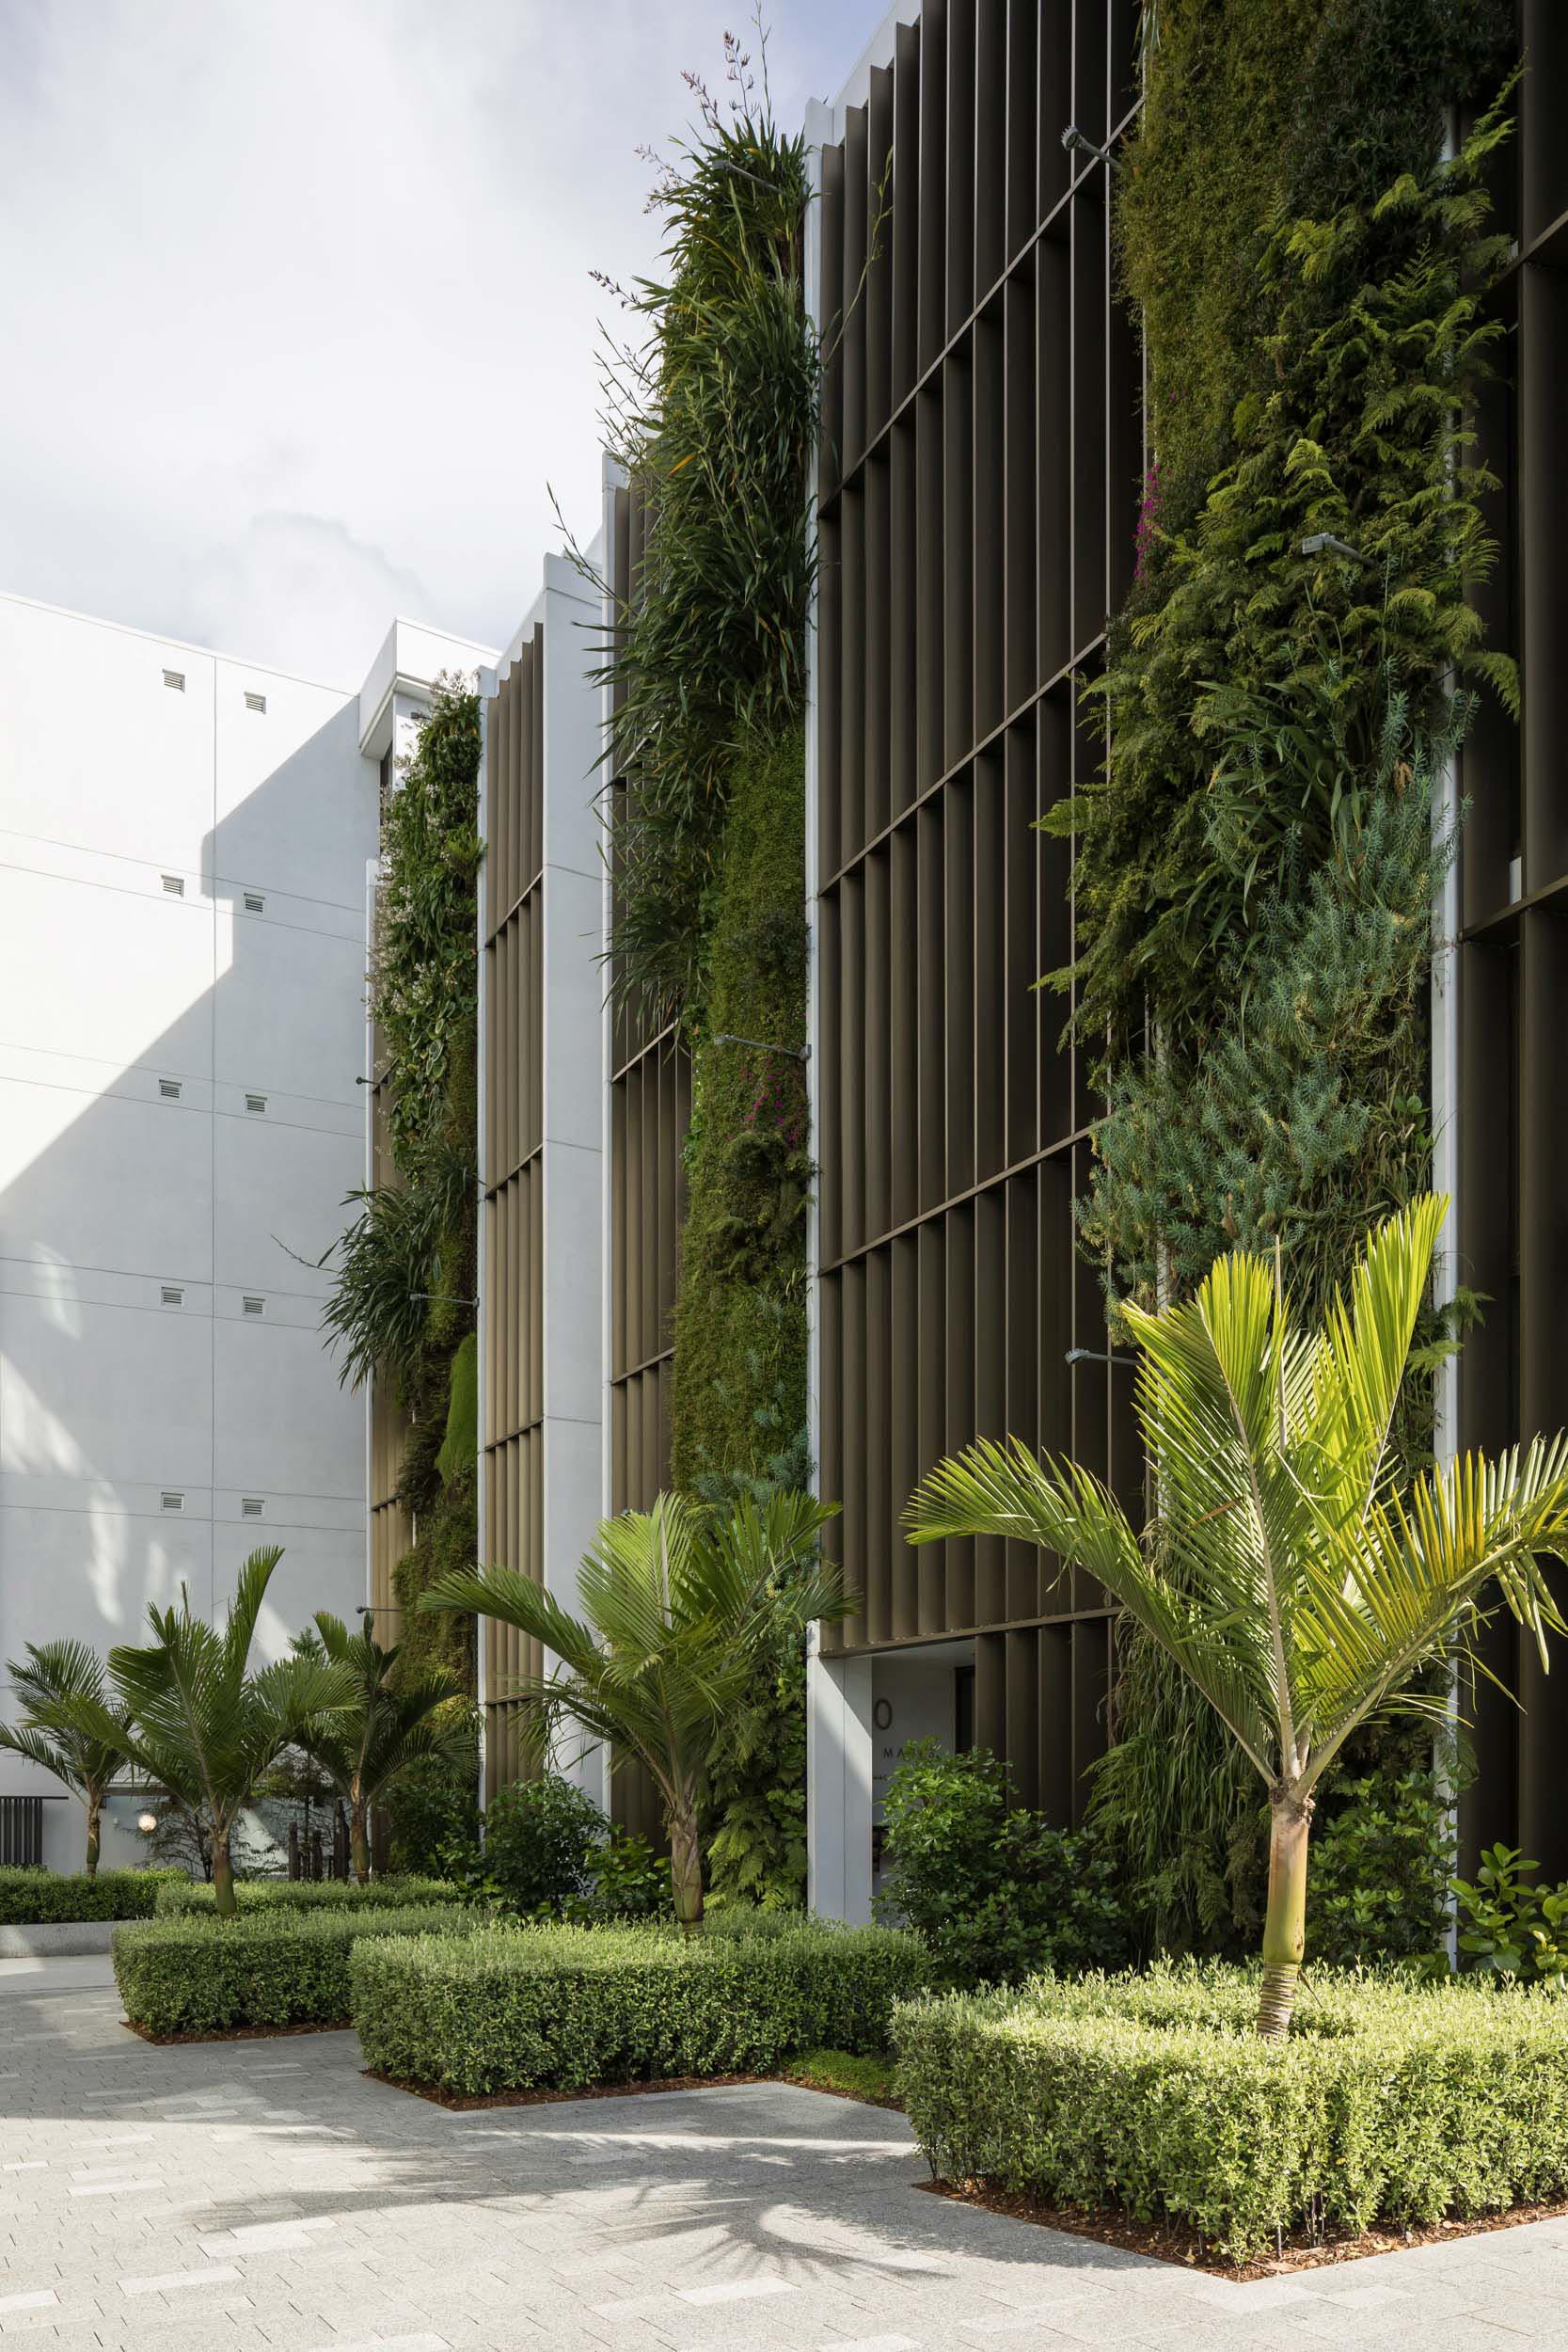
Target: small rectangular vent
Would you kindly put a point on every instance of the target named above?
(254, 1306)
(256, 1105)
(255, 702)
(172, 1295)
(251, 1507)
(173, 1502)
(169, 1089)
(254, 902)
(174, 885)
(175, 679)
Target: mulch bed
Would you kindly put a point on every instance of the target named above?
(463, 2104)
(232, 2033)
(1166, 2243)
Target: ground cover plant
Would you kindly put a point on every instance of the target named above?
(1151, 2096)
(566, 2007)
(40, 1898)
(192, 1974)
(1288, 1570)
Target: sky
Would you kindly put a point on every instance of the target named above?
(297, 323)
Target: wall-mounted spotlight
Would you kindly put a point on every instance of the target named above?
(1326, 543)
(1079, 143)
(147, 1823)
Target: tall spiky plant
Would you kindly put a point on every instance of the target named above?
(53, 1676)
(679, 1605)
(392, 1721)
(1284, 1569)
(204, 1728)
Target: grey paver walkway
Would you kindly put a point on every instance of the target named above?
(263, 2194)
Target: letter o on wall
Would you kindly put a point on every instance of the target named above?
(881, 1714)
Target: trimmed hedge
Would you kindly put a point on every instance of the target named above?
(30, 1899)
(194, 1975)
(1391, 2099)
(529, 2008)
(187, 1895)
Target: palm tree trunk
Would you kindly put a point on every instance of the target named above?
(95, 1806)
(686, 1865)
(358, 1839)
(223, 1874)
(1284, 1921)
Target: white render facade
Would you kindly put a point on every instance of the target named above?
(184, 843)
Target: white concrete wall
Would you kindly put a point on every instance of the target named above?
(572, 1155)
(109, 1398)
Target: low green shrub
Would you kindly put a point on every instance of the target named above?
(48, 1898)
(996, 1892)
(194, 1975)
(1392, 2099)
(521, 2007)
(1508, 1926)
(183, 1897)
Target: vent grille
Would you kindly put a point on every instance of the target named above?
(254, 902)
(174, 885)
(251, 1507)
(255, 702)
(254, 1306)
(169, 1088)
(172, 1295)
(176, 679)
(171, 1502)
(256, 1105)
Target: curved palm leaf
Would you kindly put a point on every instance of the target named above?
(53, 1677)
(677, 1606)
(1282, 1569)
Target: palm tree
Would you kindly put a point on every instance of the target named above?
(1282, 1568)
(202, 1727)
(678, 1605)
(58, 1674)
(389, 1725)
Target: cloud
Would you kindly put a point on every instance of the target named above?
(295, 298)
(302, 583)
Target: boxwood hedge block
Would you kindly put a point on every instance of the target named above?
(184, 1895)
(1391, 2099)
(518, 2009)
(194, 1975)
(47, 1899)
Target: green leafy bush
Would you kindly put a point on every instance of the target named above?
(287, 1967)
(47, 1899)
(181, 1896)
(541, 1837)
(517, 2009)
(1152, 2095)
(994, 1891)
(1505, 1925)
(1382, 1855)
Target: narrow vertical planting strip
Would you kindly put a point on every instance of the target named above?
(715, 424)
(1292, 672)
